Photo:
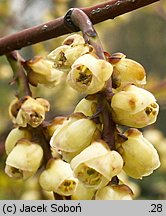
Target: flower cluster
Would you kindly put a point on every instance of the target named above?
(21, 147)
(82, 164)
(75, 61)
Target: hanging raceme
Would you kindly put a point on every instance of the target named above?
(83, 154)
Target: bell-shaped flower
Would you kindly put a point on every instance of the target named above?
(89, 74)
(58, 177)
(64, 56)
(87, 107)
(42, 71)
(127, 71)
(14, 136)
(134, 107)
(24, 159)
(96, 165)
(74, 134)
(114, 192)
(139, 155)
(30, 111)
(83, 193)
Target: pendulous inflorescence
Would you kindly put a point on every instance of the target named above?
(79, 156)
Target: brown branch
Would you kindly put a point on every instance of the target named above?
(57, 27)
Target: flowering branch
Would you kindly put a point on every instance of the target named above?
(77, 18)
(87, 166)
(57, 27)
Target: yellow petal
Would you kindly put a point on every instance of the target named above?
(14, 136)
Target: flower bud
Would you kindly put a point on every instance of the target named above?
(24, 160)
(74, 135)
(114, 192)
(127, 71)
(31, 111)
(43, 72)
(89, 74)
(87, 107)
(139, 155)
(96, 165)
(58, 177)
(134, 107)
(14, 136)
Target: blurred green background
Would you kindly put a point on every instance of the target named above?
(140, 35)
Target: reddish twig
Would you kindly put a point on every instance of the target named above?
(57, 27)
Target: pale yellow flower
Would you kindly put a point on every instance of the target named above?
(89, 74)
(73, 135)
(96, 165)
(127, 71)
(30, 111)
(64, 56)
(134, 107)
(58, 177)
(24, 160)
(43, 72)
(139, 155)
